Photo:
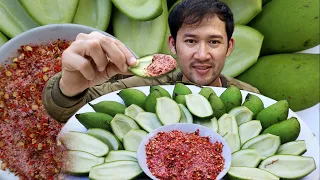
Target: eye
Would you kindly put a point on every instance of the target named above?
(214, 42)
(190, 41)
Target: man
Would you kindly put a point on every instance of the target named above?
(201, 38)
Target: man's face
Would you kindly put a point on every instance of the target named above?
(202, 50)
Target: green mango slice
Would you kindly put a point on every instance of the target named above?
(51, 11)
(94, 13)
(161, 64)
(248, 42)
(14, 19)
(165, 46)
(245, 10)
(3, 39)
(143, 37)
(143, 10)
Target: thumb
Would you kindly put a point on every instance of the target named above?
(133, 62)
(130, 58)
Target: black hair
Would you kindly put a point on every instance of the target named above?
(194, 11)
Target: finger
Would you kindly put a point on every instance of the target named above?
(82, 36)
(92, 35)
(130, 59)
(93, 49)
(114, 53)
(73, 61)
(111, 51)
(112, 70)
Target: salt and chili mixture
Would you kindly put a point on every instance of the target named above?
(161, 64)
(27, 133)
(182, 155)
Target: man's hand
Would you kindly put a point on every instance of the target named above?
(93, 59)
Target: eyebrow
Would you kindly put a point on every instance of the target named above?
(211, 36)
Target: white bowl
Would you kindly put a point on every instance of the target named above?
(43, 35)
(185, 127)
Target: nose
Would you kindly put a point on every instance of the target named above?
(202, 53)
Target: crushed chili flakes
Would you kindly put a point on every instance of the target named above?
(182, 155)
(27, 133)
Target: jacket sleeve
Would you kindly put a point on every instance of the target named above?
(61, 107)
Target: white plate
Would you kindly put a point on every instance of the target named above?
(312, 145)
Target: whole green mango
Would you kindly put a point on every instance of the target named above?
(288, 130)
(288, 25)
(273, 114)
(294, 77)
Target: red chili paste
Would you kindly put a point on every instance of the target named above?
(161, 64)
(27, 133)
(181, 155)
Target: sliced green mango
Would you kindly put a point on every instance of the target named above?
(143, 37)
(249, 173)
(245, 10)
(165, 46)
(51, 11)
(294, 77)
(143, 70)
(14, 19)
(94, 13)
(248, 42)
(289, 166)
(142, 10)
(288, 26)
(3, 39)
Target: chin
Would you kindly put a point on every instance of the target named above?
(201, 80)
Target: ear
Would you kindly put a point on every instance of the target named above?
(172, 45)
(230, 46)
